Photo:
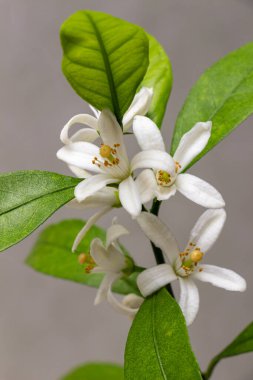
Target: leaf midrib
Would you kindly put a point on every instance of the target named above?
(155, 339)
(108, 69)
(34, 199)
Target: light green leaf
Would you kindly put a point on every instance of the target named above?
(158, 345)
(223, 94)
(96, 371)
(241, 344)
(105, 59)
(52, 255)
(159, 77)
(27, 199)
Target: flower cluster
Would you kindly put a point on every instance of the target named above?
(112, 179)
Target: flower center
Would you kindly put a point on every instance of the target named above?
(109, 154)
(163, 178)
(85, 258)
(188, 261)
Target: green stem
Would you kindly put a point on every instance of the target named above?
(157, 251)
(211, 367)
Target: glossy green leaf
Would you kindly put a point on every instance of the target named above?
(52, 255)
(223, 94)
(241, 344)
(159, 77)
(105, 59)
(96, 371)
(27, 199)
(158, 345)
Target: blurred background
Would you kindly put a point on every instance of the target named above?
(47, 326)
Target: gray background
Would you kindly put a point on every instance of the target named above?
(47, 326)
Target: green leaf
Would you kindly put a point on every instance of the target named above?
(223, 94)
(241, 344)
(158, 345)
(52, 255)
(159, 77)
(105, 59)
(96, 371)
(27, 199)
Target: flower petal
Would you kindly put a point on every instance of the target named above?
(153, 279)
(105, 286)
(130, 197)
(147, 134)
(221, 277)
(91, 185)
(189, 299)
(207, 229)
(85, 134)
(146, 184)
(159, 234)
(90, 222)
(114, 232)
(129, 306)
(95, 111)
(139, 106)
(192, 143)
(80, 154)
(85, 119)
(199, 191)
(79, 173)
(105, 197)
(109, 260)
(153, 159)
(163, 193)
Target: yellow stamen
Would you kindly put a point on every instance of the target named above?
(163, 178)
(196, 255)
(82, 258)
(105, 151)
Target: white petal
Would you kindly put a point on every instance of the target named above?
(153, 159)
(123, 307)
(153, 279)
(147, 134)
(114, 232)
(110, 260)
(189, 299)
(85, 134)
(192, 143)
(146, 184)
(95, 111)
(207, 229)
(79, 173)
(221, 277)
(105, 286)
(80, 154)
(159, 234)
(139, 106)
(130, 197)
(92, 184)
(105, 197)
(90, 222)
(199, 191)
(80, 119)
(163, 193)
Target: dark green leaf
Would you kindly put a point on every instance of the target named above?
(158, 345)
(105, 59)
(159, 77)
(96, 371)
(223, 94)
(27, 199)
(52, 255)
(241, 344)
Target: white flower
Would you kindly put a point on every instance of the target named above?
(164, 183)
(110, 163)
(104, 199)
(185, 266)
(112, 261)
